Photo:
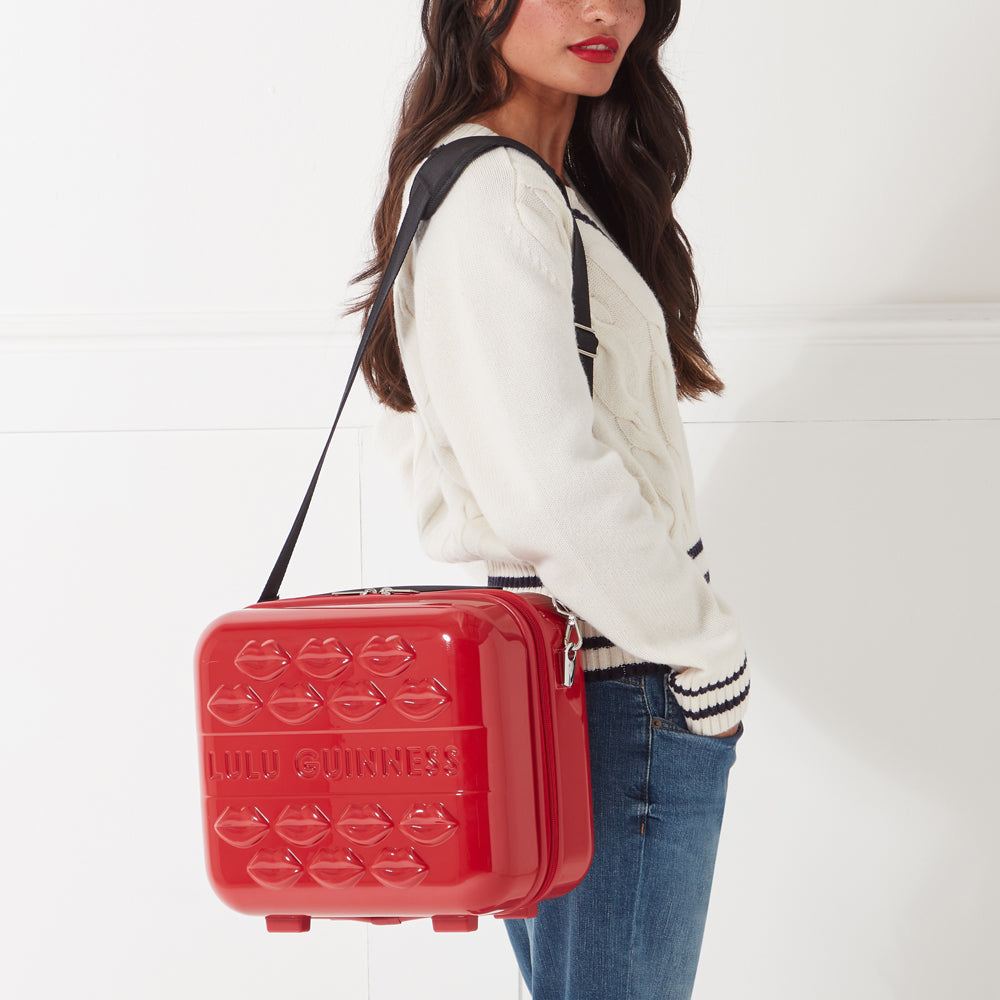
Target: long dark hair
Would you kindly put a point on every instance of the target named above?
(628, 155)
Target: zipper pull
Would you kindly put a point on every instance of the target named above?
(572, 642)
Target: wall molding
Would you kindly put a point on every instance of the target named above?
(951, 323)
(888, 325)
(284, 369)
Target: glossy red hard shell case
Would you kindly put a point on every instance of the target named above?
(438, 769)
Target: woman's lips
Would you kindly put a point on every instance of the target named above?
(598, 49)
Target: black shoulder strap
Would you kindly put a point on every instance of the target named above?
(432, 182)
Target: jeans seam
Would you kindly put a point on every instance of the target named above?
(649, 755)
(635, 916)
(642, 838)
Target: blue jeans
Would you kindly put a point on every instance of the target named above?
(632, 929)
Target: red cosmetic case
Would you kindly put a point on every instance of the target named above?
(439, 771)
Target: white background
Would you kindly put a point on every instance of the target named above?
(184, 193)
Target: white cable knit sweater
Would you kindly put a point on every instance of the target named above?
(510, 462)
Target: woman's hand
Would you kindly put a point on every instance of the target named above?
(729, 732)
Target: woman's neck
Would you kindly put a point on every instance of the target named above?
(540, 122)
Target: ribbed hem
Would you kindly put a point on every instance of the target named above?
(708, 710)
(515, 576)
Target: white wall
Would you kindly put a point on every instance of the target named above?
(184, 195)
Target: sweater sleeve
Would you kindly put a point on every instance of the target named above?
(499, 381)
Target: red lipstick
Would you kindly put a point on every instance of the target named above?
(599, 49)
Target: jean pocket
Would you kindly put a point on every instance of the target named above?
(673, 719)
(682, 731)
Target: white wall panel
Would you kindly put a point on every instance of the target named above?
(877, 363)
(216, 155)
(117, 550)
(138, 378)
(186, 154)
(856, 859)
(842, 154)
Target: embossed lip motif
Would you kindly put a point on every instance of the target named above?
(302, 825)
(242, 827)
(295, 704)
(356, 701)
(324, 659)
(263, 661)
(234, 705)
(274, 868)
(421, 699)
(336, 868)
(399, 867)
(428, 823)
(365, 823)
(386, 655)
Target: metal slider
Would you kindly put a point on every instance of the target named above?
(590, 330)
(368, 591)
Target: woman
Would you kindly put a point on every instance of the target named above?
(512, 463)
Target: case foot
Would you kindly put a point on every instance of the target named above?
(455, 923)
(282, 923)
(524, 913)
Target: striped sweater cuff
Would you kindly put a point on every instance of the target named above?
(711, 708)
